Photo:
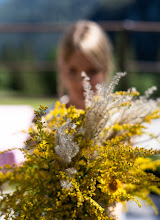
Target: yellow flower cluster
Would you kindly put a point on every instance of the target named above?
(97, 176)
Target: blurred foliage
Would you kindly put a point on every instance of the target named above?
(5, 80)
(19, 73)
(143, 81)
(14, 99)
(140, 80)
(25, 48)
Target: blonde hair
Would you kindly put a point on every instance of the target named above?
(88, 38)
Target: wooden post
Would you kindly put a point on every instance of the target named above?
(122, 58)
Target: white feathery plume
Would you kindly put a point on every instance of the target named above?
(88, 93)
(107, 109)
(65, 184)
(140, 108)
(71, 171)
(98, 112)
(134, 114)
(66, 148)
(149, 92)
(112, 85)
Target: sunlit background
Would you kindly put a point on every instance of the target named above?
(30, 31)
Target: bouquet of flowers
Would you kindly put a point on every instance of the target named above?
(81, 163)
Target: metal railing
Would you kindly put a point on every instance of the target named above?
(123, 27)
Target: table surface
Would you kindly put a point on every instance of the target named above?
(143, 213)
(13, 120)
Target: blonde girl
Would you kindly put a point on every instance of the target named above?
(84, 47)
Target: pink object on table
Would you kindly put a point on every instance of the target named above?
(13, 120)
(7, 158)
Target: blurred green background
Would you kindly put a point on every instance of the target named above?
(28, 58)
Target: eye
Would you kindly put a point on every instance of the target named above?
(72, 72)
(92, 72)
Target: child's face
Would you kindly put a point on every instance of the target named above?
(71, 74)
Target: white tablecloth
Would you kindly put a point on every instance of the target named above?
(13, 120)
